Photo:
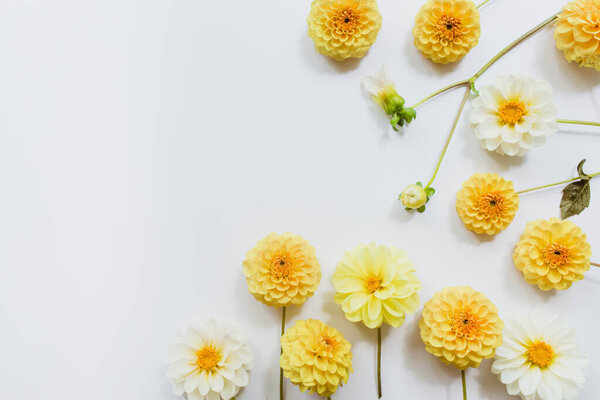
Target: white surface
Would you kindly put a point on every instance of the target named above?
(146, 145)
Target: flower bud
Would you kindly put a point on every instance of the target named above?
(413, 197)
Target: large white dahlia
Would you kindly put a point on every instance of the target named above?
(539, 358)
(514, 114)
(209, 360)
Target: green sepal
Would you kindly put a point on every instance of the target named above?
(420, 184)
(429, 191)
(421, 209)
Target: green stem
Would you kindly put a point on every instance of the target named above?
(464, 384)
(555, 184)
(439, 163)
(483, 4)
(442, 90)
(379, 361)
(575, 122)
(281, 369)
(595, 264)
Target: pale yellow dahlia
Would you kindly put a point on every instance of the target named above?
(282, 270)
(577, 32)
(376, 285)
(446, 30)
(316, 357)
(343, 28)
(552, 254)
(461, 327)
(487, 203)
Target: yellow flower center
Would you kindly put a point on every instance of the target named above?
(465, 324)
(207, 358)
(327, 341)
(448, 27)
(372, 284)
(556, 255)
(281, 266)
(511, 112)
(345, 20)
(540, 354)
(492, 204)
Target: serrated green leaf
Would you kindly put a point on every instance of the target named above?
(429, 191)
(582, 174)
(575, 199)
(421, 209)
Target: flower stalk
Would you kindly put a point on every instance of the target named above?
(464, 384)
(379, 362)
(595, 264)
(555, 184)
(576, 122)
(283, 310)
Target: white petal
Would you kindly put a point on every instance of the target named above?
(529, 380)
(216, 382)
(241, 378)
(512, 374)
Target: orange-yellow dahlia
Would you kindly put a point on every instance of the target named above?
(316, 357)
(343, 28)
(446, 30)
(487, 203)
(577, 32)
(282, 270)
(552, 254)
(461, 327)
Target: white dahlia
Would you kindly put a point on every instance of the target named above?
(514, 114)
(539, 359)
(209, 360)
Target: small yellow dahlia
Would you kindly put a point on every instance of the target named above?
(376, 285)
(316, 357)
(343, 28)
(461, 327)
(552, 254)
(282, 270)
(487, 203)
(446, 30)
(577, 32)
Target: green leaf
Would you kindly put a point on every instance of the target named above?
(575, 199)
(429, 191)
(419, 184)
(582, 174)
(421, 209)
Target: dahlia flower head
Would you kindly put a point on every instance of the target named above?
(514, 114)
(343, 28)
(209, 360)
(282, 270)
(461, 327)
(375, 285)
(487, 203)
(540, 359)
(552, 254)
(577, 33)
(446, 30)
(316, 357)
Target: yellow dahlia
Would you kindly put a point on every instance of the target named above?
(577, 32)
(316, 357)
(343, 28)
(446, 30)
(282, 270)
(461, 327)
(487, 203)
(552, 254)
(376, 285)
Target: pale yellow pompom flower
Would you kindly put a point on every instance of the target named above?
(552, 254)
(446, 30)
(282, 270)
(487, 203)
(577, 32)
(316, 357)
(461, 327)
(376, 285)
(343, 28)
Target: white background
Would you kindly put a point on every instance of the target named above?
(146, 145)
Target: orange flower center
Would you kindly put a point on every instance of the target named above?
(492, 204)
(281, 266)
(465, 324)
(207, 358)
(345, 20)
(556, 255)
(511, 112)
(540, 354)
(327, 341)
(448, 27)
(372, 284)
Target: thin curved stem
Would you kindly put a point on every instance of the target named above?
(555, 184)
(483, 4)
(460, 110)
(379, 361)
(595, 264)
(281, 369)
(575, 122)
(442, 90)
(464, 384)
